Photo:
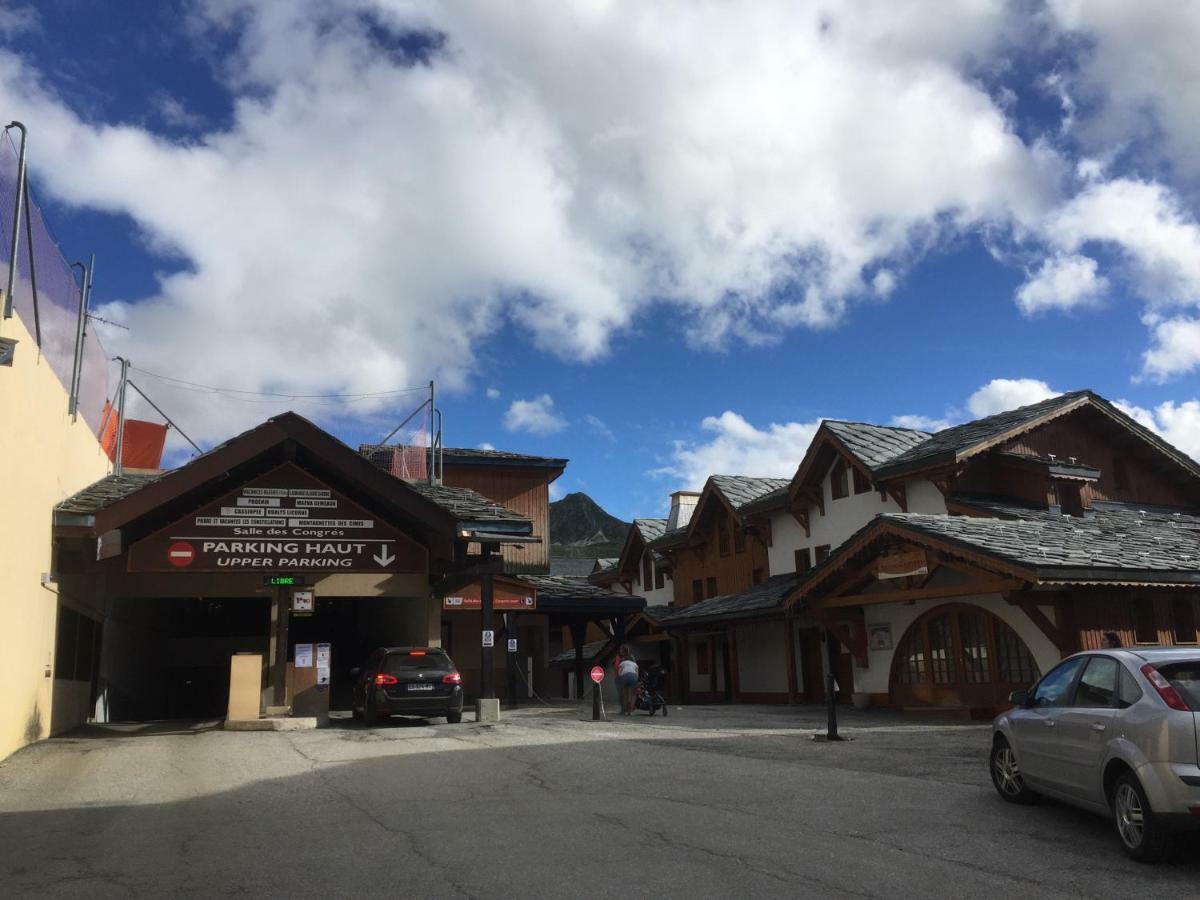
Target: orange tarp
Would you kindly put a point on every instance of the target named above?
(144, 441)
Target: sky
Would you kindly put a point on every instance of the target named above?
(661, 240)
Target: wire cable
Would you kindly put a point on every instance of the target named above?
(209, 388)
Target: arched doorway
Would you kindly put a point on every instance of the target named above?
(960, 656)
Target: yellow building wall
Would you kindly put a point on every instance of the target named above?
(44, 457)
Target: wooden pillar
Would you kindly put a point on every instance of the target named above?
(789, 633)
(578, 636)
(683, 669)
(280, 611)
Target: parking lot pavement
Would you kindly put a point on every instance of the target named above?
(711, 802)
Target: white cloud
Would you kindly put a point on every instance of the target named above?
(486, 446)
(599, 426)
(739, 448)
(17, 19)
(493, 393)
(174, 113)
(922, 423)
(557, 176)
(1177, 423)
(1062, 282)
(1176, 348)
(1001, 394)
(537, 416)
(557, 492)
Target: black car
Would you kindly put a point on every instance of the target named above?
(408, 681)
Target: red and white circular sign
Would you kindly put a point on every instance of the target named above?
(181, 554)
(597, 674)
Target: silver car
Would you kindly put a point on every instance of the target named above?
(1116, 732)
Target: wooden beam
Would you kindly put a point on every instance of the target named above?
(990, 586)
(1045, 626)
(849, 638)
(900, 495)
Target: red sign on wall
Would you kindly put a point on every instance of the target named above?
(505, 597)
(283, 521)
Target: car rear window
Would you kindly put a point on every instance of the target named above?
(1185, 678)
(406, 662)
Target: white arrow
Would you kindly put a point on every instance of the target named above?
(384, 556)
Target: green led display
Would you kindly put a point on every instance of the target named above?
(283, 580)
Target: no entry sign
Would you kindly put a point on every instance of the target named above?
(597, 674)
(283, 521)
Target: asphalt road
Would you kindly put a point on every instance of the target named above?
(710, 803)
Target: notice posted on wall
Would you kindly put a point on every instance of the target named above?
(322, 656)
(304, 656)
(322, 675)
(489, 638)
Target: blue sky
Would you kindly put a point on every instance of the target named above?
(674, 239)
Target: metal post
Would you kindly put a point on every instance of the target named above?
(596, 700)
(85, 294)
(118, 466)
(16, 226)
(830, 693)
(432, 458)
(487, 674)
(37, 315)
(280, 612)
(578, 636)
(510, 637)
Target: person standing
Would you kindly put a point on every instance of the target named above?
(627, 679)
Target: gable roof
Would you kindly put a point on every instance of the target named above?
(116, 501)
(650, 529)
(740, 490)
(870, 447)
(875, 445)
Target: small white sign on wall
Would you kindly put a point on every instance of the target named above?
(880, 637)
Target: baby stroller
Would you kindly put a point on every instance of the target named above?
(649, 690)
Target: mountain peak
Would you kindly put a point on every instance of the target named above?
(579, 522)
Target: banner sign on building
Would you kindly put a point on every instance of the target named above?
(902, 565)
(283, 521)
(504, 597)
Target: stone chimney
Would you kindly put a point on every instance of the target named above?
(683, 504)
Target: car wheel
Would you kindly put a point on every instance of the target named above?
(454, 718)
(1006, 774)
(1141, 833)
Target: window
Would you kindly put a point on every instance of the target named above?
(862, 484)
(839, 485)
(647, 571)
(702, 658)
(1014, 661)
(1055, 688)
(711, 588)
(1185, 678)
(941, 651)
(822, 553)
(1144, 627)
(756, 577)
(739, 540)
(723, 536)
(973, 638)
(1183, 618)
(1128, 693)
(697, 591)
(803, 559)
(1098, 686)
(659, 578)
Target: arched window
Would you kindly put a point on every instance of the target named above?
(960, 655)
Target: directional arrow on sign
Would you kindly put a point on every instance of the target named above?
(384, 557)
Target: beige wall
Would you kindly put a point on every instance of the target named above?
(44, 457)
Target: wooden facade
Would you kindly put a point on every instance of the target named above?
(719, 560)
(524, 490)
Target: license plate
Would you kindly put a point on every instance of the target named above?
(420, 687)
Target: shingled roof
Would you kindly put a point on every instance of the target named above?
(757, 600)
(875, 445)
(465, 504)
(650, 529)
(107, 490)
(947, 444)
(740, 490)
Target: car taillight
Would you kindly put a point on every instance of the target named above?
(452, 678)
(383, 678)
(1165, 690)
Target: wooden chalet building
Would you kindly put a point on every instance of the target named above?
(950, 568)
